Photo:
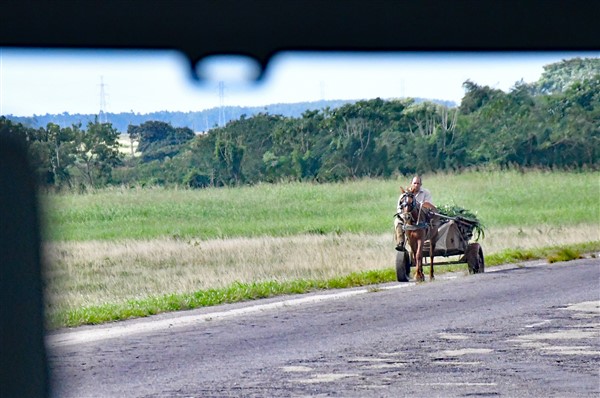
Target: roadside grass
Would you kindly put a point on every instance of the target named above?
(551, 254)
(97, 282)
(238, 292)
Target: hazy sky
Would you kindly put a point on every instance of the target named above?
(56, 81)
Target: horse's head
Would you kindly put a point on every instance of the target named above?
(407, 206)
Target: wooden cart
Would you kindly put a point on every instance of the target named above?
(454, 238)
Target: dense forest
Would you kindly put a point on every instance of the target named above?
(552, 123)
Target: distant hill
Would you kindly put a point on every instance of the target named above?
(198, 121)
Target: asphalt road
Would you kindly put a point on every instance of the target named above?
(531, 330)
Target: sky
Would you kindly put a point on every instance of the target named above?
(50, 81)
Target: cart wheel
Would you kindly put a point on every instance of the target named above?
(402, 266)
(474, 257)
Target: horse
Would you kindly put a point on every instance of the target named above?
(420, 223)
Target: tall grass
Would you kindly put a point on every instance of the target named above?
(500, 198)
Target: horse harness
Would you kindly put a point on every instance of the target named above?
(425, 224)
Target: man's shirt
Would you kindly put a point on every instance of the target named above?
(423, 196)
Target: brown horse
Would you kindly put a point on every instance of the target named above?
(420, 224)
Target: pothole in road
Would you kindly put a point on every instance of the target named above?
(324, 378)
(548, 341)
(367, 359)
(568, 334)
(451, 362)
(571, 350)
(388, 362)
(298, 369)
(586, 306)
(453, 336)
(464, 351)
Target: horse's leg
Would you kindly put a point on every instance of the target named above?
(414, 254)
(432, 242)
(419, 260)
(417, 269)
(431, 249)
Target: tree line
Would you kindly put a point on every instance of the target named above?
(202, 120)
(552, 123)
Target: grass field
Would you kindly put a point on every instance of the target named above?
(501, 199)
(119, 253)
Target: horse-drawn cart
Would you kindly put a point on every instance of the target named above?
(453, 239)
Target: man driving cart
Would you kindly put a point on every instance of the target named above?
(423, 198)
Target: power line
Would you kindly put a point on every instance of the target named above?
(102, 116)
(221, 104)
